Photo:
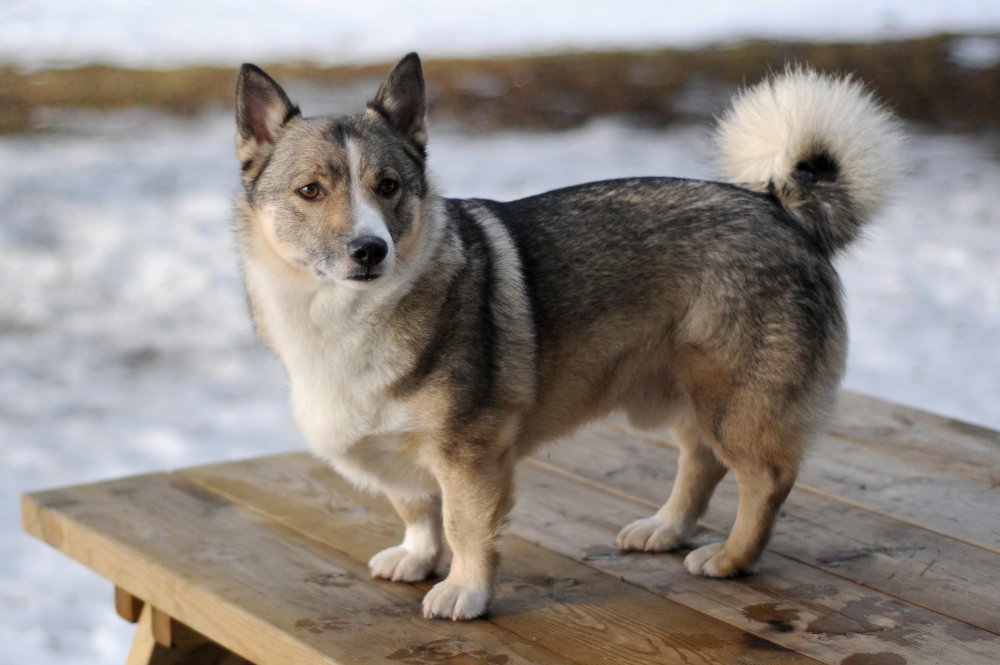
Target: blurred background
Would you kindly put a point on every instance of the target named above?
(124, 341)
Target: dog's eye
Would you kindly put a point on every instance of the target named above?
(387, 187)
(310, 191)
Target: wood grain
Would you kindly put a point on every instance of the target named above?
(127, 606)
(935, 441)
(143, 644)
(255, 587)
(793, 605)
(932, 499)
(886, 552)
(565, 606)
(896, 558)
(798, 606)
(163, 629)
(192, 648)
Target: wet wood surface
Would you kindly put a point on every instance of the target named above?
(887, 552)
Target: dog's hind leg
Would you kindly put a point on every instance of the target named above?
(765, 461)
(698, 473)
(417, 556)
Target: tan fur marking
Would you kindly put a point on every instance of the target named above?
(764, 451)
(477, 494)
(709, 386)
(698, 473)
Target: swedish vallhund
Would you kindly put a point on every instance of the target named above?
(431, 342)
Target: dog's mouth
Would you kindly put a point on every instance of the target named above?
(326, 274)
(364, 276)
(369, 275)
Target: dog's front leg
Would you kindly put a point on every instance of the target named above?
(476, 499)
(417, 556)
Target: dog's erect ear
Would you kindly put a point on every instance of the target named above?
(400, 99)
(262, 108)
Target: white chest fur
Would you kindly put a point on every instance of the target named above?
(339, 359)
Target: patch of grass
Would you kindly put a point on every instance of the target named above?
(917, 77)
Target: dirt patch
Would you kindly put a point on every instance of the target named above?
(924, 79)
(769, 613)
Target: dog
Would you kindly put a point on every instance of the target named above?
(431, 342)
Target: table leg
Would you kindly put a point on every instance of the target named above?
(188, 647)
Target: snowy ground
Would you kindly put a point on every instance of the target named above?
(126, 346)
(124, 340)
(163, 34)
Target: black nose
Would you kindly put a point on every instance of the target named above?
(367, 251)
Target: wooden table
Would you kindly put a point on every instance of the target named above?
(886, 553)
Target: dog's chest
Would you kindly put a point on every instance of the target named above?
(340, 362)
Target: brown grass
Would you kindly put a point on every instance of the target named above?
(916, 77)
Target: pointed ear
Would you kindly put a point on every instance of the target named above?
(400, 99)
(262, 108)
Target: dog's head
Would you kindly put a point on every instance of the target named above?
(335, 197)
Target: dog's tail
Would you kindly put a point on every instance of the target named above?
(823, 145)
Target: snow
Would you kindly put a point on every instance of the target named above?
(161, 34)
(976, 52)
(126, 345)
(124, 338)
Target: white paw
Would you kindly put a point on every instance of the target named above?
(712, 561)
(448, 600)
(399, 564)
(650, 534)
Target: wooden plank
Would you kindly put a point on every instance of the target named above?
(833, 618)
(921, 567)
(192, 649)
(956, 506)
(826, 617)
(840, 618)
(143, 644)
(566, 606)
(935, 441)
(256, 588)
(127, 606)
(163, 630)
(930, 497)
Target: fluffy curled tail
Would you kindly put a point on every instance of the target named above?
(823, 145)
